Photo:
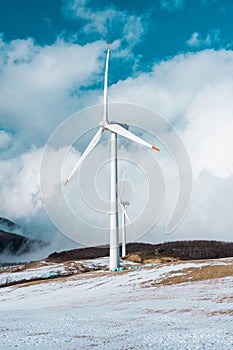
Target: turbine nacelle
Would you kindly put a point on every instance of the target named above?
(104, 124)
(125, 203)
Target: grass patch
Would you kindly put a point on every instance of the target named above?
(194, 274)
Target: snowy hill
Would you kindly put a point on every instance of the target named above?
(176, 305)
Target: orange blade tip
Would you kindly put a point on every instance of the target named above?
(66, 182)
(155, 148)
(108, 46)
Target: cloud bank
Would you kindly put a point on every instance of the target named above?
(42, 85)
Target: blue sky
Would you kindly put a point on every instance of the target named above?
(142, 33)
(167, 24)
(172, 56)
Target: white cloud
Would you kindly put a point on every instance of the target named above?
(194, 91)
(21, 200)
(198, 41)
(213, 37)
(40, 84)
(172, 85)
(208, 135)
(172, 5)
(210, 213)
(19, 180)
(194, 41)
(133, 30)
(108, 22)
(5, 139)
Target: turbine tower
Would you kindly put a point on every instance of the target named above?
(125, 217)
(115, 129)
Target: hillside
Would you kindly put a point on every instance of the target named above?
(139, 252)
(8, 225)
(81, 305)
(12, 243)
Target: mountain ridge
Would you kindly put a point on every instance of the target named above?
(183, 250)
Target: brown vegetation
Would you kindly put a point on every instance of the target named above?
(182, 250)
(194, 274)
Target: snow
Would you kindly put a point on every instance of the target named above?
(30, 273)
(53, 269)
(48, 269)
(121, 310)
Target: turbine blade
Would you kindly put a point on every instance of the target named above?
(89, 148)
(105, 116)
(127, 216)
(129, 135)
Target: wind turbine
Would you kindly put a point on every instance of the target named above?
(124, 216)
(115, 129)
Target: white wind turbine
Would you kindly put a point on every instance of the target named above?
(115, 129)
(124, 216)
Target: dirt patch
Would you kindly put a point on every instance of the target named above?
(220, 312)
(163, 260)
(134, 258)
(142, 258)
(194, 275)
(228, 299)
(36, 334)
(159, 311)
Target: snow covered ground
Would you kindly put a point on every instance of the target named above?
(121, 310)
(14, 273)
